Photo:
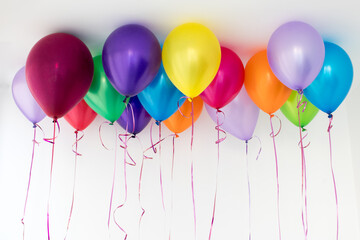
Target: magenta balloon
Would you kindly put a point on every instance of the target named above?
(24, 100)
(241, 116)
(227, 82)
(296, 54)
(59, 71)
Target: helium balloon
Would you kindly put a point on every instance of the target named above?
(333, 83)
(134, 113)
(191, 57)
(240, 116)
(266, 91)
(80, 116)
(24, 100)
(161, 97)
(59, 71)
(180, 121)
(296, 54)
(227, 82)
(102, 96)
(290, 110)
(131, 58)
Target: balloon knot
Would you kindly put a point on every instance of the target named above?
(157, 122)
(112, 123)
(176, 136)
(330, 115)
(55, 120)
(190, 99)
(76, 131)
(272, 115)
(246, 141)
(133, 136)
(303, 129)
(300, 91)
(125, 99)
(34, 126)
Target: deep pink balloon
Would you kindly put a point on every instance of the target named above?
(59, 71)
(227, 82)
(241, 116)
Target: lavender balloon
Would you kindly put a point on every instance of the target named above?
(24, 99)
(141, 117)
(241, 116)
(296, 54)
(131, 58)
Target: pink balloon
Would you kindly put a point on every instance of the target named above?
(227, 82)
(240, 116)
(59, 71)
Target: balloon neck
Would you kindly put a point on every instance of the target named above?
(133, 136)
(112, 123)
(246, 141)
(190, 99)
(34, 126)
(176, 135)
(303, 129)
(271, 115)
(125, 99)
(76, 131)
(157, 122)
(330, 116)
(55, 120)
(300, 91)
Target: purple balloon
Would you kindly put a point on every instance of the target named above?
(131, 58)
(296, 54)
(240, 116)
(141, 117)
(24, 99)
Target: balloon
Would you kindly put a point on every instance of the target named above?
(179, 122)
(191, 57)
(227, 82)
(333, 83)
(296, 54)
(266, 91)
(131, 58)
(24, 100)
(80, 116)
(134, 113)
(290, 110)
(59, 71)
(240, 116)
(102, 97)
(161, 97)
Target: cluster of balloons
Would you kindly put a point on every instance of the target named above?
(135, 79)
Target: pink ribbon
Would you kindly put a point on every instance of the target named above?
(52, 141)
(333, 176)
(304, 215)
(277, 172)
(74, 180)
(219, 140)
(249, 189)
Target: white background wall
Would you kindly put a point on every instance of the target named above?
(245, 27)
(93, 183)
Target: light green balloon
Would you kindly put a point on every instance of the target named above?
(289, 109)
(102, 96)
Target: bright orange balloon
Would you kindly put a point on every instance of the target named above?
(178, 122)
(266, 91)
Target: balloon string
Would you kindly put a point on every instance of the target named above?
(217, 167)
(153, 145)
(100, 127)
(172, 185)
(125, 187)
(192, 165)
(51, 172)
(277, 175)
(52, 140)
(333, 177)
(280, 126)
(304, 215)
(160, 169)
(75, 166)
(132, 163)
(248, 182)
(114, 175)
(29, 181)
(260, 147)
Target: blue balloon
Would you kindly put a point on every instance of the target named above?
(161, 97)
(134, 118)
(333, 83)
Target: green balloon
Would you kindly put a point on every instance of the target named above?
(289, 109)
(102, 96)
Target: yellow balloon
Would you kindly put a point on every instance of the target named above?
(191, 57)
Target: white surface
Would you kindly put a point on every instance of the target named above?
(245, 27)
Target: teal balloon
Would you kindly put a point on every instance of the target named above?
(333, 83)
(160, 99)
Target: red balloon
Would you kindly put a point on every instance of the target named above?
(80, 116)
(227, 82)
(59, 71)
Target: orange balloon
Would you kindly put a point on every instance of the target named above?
(178, 122)
(266, 91)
